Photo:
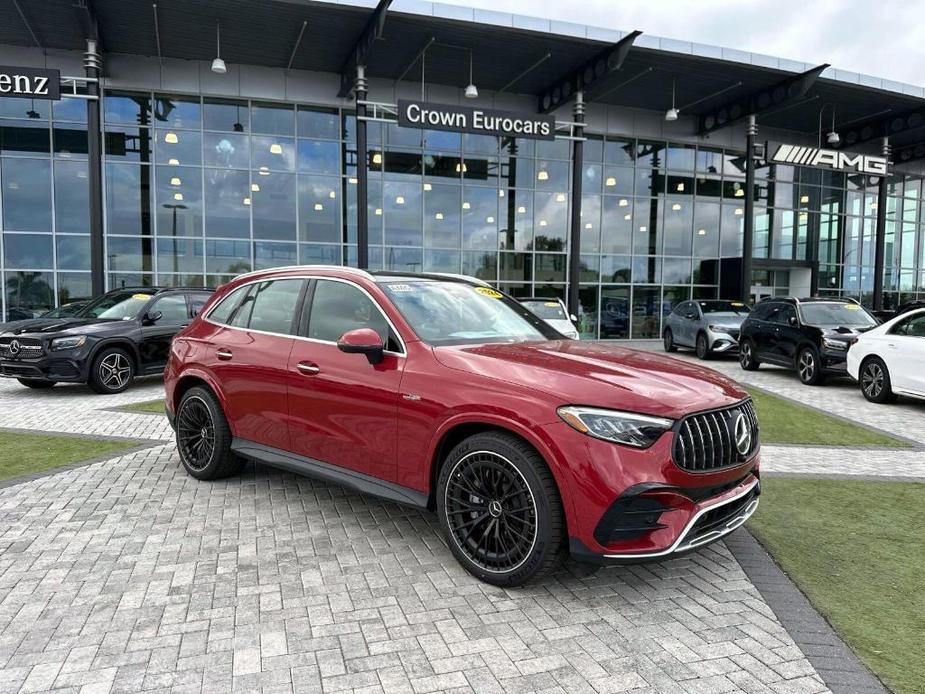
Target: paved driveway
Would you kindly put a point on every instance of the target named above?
(128, 575)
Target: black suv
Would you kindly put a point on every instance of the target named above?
(811, 336)
(122, 334)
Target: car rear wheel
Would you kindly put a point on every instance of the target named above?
(112, 371)
(204, 437)
(702, 348)
(500, 510)
(669, 341)
(809, 367)
(875, 381)
(747, 356)
(35, 383)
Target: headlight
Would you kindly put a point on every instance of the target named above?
(628, 428)
(834, 344)
(68, 342)
(718, 329)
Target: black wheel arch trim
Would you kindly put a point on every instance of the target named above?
(302, 465)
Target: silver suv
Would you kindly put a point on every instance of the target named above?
(708, 326)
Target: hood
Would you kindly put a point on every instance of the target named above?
(47, 327)
(846, 333)
(726, 323)
(599, 375)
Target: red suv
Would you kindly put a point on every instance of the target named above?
(440, 392)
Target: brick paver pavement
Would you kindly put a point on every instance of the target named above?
(128, 575)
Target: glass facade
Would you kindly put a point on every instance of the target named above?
(198, 189)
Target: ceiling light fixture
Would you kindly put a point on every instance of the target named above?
(701, 232)
(352, 180)
(178, 196)
(500, 193)
(610, 182)
(264, 171)
(332, 195)
(378, 212)
(246, 201)
(377, 158)
(171, 138)
(560, 197)
(428, 187)
(255, 188)
(400, 200)
(627, 216)
(739, 211)
(466, 206)
(175, 181)
(623, 202)
(589, 225)
(676, 206)
(543, 175)
(319, 207)
(218, 65)
(804, 198)
(276, 148)
(671, 114)
(681, 187)
(490, 220)
(642, 228)
(542, 222)
(740, 192)
(472, 92)
(438, 216)
(174, 162)
(521, 210)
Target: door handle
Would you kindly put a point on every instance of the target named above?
(308, 368)
(223, 353)
(891, 345)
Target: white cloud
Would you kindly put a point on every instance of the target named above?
(885, 38)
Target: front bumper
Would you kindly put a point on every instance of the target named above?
(64, 369)
(723, 342)
(835, 362)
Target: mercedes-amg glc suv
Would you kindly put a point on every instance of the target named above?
(444, 393)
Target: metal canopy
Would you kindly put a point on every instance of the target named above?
(263, 32)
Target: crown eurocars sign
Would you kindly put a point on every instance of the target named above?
(481, 121)
(832, 159)
(30, 83)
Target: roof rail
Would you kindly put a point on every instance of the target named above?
(457, 276)
(346, 268)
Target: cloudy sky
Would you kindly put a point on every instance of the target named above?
(884, 38)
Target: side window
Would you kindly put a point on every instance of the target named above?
(911, 327)
(783, 314)
(338, 308)
(222, 312)
(196, 302)
(172, 309)
(242, 314)
(681, 309)
(764, 311)
(274, 306)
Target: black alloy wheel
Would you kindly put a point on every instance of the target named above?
(703, 349)
(203, 436)
(747, 356)
(875, 381)
(112, 371)
(499, 508)
(809, 367)
(669, 341)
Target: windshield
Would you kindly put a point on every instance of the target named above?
(547, 310)
(454, 313)
(64, 311)
(116, 306)
(723, 309)
(837, 315)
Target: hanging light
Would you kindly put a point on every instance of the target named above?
(589, 225)
(623, 202)
(332, 195)
(832, 138)
(681, 187)
(472, 92)
(490, 220)
(560, 197)
(174, 162)
(400, 200)
(247, 201)
(500, 193)
(672, 113)
(610, 182)
(467, 206)
(175, 181)
(701, 232)
(542, 222)
(804, 198)
(627, 216)
(319, 207)
(276, 148)
(676, 206)
(218, 65)
(543, 175)
(171, 138)
(740, 192)
(377, 158)
(352, 180)
(178, 196)
(642, 228)
(521, 210)
(428, 187)
(438, 216)
(255, 188)
(739, 211)
(264, 171)
(378, 212)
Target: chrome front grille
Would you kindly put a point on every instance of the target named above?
(717, 439)
(20, 348)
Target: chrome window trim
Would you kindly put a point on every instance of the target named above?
(369, 296)
(679, 545)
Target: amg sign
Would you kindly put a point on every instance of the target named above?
(32, 83)
(482, 121)
(833, 159)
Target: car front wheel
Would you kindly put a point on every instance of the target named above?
(112, 371)
(669, 341)
(875, 381)
(204, 437)
(703, 349)
(809, 367)
(747, 356)
(35, 383)
(499, 508)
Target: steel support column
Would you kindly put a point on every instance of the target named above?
(880, 234)
(574, 249)
(362, 171)
(748, 236)
(93, 66)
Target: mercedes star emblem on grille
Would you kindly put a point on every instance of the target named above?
(14, 347)
(743, 434)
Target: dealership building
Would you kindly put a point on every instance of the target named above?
(182, 143)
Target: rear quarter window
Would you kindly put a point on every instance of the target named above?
(223, 310)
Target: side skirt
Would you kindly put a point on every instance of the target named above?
(310, 467)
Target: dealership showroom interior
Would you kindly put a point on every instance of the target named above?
(489, 346)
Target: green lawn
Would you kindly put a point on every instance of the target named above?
(153, 406)
(784, 421)
(22, 453)
(855, 549)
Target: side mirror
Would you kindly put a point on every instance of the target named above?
(362, 341)
(691, 316)
(152, 317)
(574, 318)
(793, 321)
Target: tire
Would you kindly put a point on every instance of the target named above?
(668, 338)
(35, 383)
(874, 379)
(809, 367)
(204, 438)
(702, 348)
(517, 543)
(112, 371)
(747, 356)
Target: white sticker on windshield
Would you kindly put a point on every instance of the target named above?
(401, 288)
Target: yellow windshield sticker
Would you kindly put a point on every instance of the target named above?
(551, 304)
(141, 297)
(489, 292)
(737, 304)
(852, 307)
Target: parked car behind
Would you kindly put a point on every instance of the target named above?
(120, 335)
(554, 312)
(708, 326)
(810, 336)
(446, 394)
(63, 311)
(889, 360)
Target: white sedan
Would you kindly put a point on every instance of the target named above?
(890, 359)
